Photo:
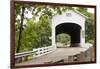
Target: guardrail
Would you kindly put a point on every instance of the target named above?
(20, 57)
(24, 56)
(43, 51)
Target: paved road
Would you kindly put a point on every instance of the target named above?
(59, 54)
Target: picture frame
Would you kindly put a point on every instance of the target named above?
(75, 40)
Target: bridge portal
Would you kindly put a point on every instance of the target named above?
(72, 23)
(72, 29)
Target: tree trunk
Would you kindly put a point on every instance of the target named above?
(20, 30)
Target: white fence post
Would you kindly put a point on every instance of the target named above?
(43, 50)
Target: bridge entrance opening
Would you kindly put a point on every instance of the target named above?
(72, 29)
(62, 40)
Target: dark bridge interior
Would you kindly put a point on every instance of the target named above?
(72, 29)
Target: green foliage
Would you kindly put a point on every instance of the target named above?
(63, 39)
(89, 34)
(37, 30)
(88, 25)
(35, 34)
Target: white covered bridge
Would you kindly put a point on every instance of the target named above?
(72, 23)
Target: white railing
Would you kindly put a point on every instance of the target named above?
(20, 57)
(43, 51)
(23, 54)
